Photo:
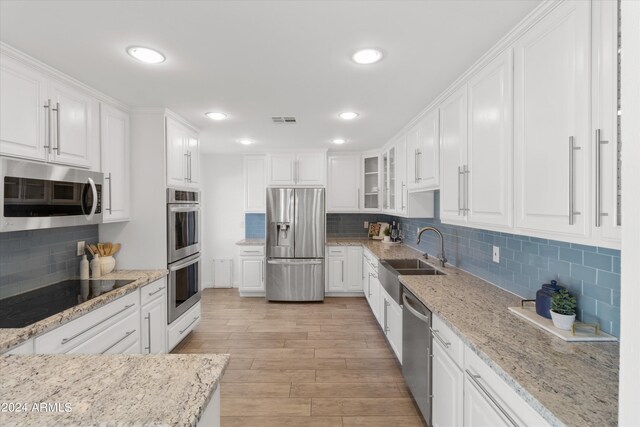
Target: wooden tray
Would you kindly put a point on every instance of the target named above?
(583, 332)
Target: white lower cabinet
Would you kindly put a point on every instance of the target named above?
(447, 389)
(344, 270)
(121, 337)
(372, 285)
(101, 321)
(153, 318)
(24, 348)
(392, 322)
(211, 414)
(181, 327)
(478, 411)
(252, 271)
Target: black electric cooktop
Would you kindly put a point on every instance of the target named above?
(24, 309)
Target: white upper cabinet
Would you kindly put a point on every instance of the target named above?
(74, 121)
(115, 155)
(453, 155)
(255, 175)
(489, 175)
(343, 183)
(183, 155)
(23, 122)
(305, 169)
(45, 119)
(604, 123)
(371, 181)
(551, 119)
(423, 153)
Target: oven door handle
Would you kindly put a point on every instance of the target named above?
(94, 206)
(183, 264)
(183, 208)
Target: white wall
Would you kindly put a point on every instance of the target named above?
(629, 408)
(223, 211)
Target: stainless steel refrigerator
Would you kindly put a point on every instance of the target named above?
(295, 225)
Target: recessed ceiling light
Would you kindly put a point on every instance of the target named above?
(367, 56)
(245, 141)
(339, 141)
(348, 115)
(216, 116)
(146, 55)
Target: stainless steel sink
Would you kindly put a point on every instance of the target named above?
(392, 268)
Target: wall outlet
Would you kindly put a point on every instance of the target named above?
(80, 248)
(496, 254)
(366, 224)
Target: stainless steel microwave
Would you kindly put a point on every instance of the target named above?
(39, 195)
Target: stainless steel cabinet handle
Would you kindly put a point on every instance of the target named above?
(49, 134)
(402, 206)
(190, 166)
(126, 334)
(110, 185)
(186, 165)
(476, 379)
(57, 110)
(459, 192)
(358, 198)
(572, 150)
(369, 285)
(261, 271)
(342, 268)
(384, 322)
(418, 171)
(71, 338)
(156, 291)
(599, 143)
(252, 252)
(189, 325)
(148, 317)
(415, 312)
(436, 334)
(465, 171)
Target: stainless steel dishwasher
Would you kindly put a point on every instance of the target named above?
(416, 351)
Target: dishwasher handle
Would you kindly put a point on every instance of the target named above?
(415, 312)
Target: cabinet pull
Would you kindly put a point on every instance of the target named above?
(186, 165)
(126, 334)
(476, 380)
(110, 185)
(342, 268)
(418, 161)
(57, 110)
(189, 325)
(465, 171)
(436, 334)
(402, 206)
(599, 143)
(385, 316)
(49, 134)
(358, 198)
(459, 191)
(252, 252)
(66, 340)
(261, 271)
(190, 167)
(369, 285)
(148, 317)
(572, 150)
(156, 291)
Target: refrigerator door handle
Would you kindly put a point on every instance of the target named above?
(295, 261)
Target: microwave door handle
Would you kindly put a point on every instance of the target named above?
(94, 206)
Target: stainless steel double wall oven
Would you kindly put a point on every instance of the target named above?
(183, 251)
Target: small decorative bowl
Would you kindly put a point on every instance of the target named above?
(107, 264)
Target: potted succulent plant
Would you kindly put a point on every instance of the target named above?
(387, 234)
(563, 309)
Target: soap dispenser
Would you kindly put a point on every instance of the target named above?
(84, 268)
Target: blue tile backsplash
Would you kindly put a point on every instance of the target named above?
(591, 273)
(35, 258)
(254, 226)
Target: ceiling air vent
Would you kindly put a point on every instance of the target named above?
(284, 119)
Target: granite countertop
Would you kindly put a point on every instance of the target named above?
(12, 337)
(567, 383)
(250, 242)
(110, 390)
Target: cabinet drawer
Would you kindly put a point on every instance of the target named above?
(498, 393)
(74, 333)
(451, 342)
(153, 290)
(114, 339)
(251, 251)
(336, 250)
(185, 324)
(24, 348)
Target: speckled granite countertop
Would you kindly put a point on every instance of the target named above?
(250, 242)
(11, 337)
(567, 383)
(110, 390)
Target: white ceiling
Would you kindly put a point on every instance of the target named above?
(257, 59)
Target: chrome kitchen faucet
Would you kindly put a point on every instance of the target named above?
(443, 259)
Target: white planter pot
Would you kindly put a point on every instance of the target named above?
(387, 238)
(562, 321)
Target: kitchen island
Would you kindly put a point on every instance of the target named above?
(110, 390)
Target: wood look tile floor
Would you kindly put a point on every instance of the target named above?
(302, 364)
